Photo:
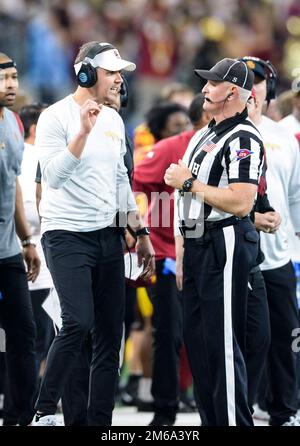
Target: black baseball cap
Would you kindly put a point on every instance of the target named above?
(256, 65)
(230, 70)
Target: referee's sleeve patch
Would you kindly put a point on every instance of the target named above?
(243, 159)
(243, 153)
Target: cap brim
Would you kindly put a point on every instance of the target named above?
(208, 75)
(118, 65)
(108, 60)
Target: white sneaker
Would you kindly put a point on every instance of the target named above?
(260, 414)
(48, 420)
(293, 421)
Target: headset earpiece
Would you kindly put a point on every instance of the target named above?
(271, 81)
(87, 75)
(124, 93)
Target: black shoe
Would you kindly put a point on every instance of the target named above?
(127, 399)
(162, 420)
(128, 394)
(144, 406)
(186, 403)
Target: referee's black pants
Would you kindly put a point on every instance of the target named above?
(282, 360)
(16, 318)
(216, 271)
(168, 337)
(258, 332)
(88, 273)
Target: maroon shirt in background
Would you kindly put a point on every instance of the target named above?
(149, 177)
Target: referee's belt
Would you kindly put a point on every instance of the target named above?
(210, 225)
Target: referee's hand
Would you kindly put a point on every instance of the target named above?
(176, 175)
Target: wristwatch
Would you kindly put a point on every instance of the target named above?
(187, 184)
(28, 241)
(142, 231)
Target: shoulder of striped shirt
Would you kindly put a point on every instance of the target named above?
(249, 125)
(194, 140)
(246, 126)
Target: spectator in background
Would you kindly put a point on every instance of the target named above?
(156, 53)
(179, 93)
(283, 179)
(292, 121)
(174, 92)
(49, 54)
(16, 316)
(285, 103)
(39, 290)
(162, 120)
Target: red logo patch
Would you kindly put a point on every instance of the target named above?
(243, 153)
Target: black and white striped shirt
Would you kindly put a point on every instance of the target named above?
(217, 155)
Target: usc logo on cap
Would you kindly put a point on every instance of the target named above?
(250, 64)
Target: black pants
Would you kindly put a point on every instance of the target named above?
(16, 318)
(76, 390)
(88, 274)
(216, 273)
(167, 333)
(44, 324)
(258, 332)
(281, 366)
(44, 337)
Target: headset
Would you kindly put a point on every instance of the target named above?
(270, 72)
(87, 75)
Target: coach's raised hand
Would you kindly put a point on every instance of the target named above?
(88, 115)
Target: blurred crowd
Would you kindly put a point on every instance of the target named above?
(166, 38)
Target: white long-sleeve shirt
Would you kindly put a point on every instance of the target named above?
(291, 123)
(283, 180)
(83, 194)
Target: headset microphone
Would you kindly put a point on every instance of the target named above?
(219, 102)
